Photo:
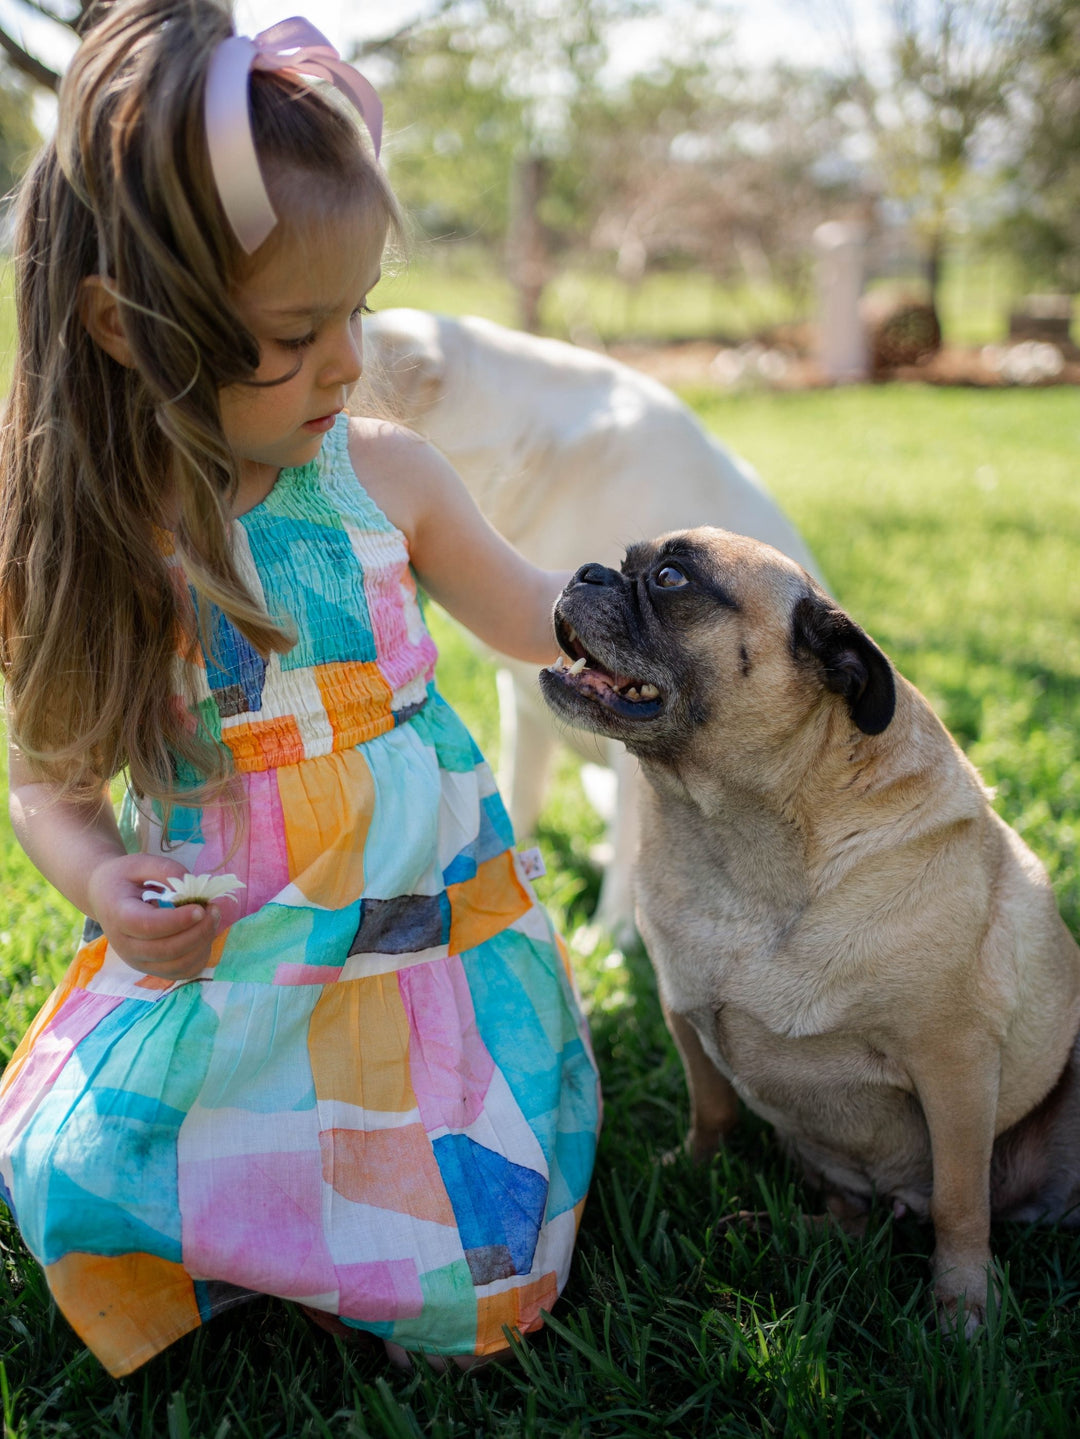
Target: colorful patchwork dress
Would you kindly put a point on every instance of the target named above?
(379, 1098)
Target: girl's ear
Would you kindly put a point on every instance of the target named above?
(99, 311)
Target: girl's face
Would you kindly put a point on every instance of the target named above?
(303, 305)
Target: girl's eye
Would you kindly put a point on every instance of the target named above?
(362, 310)
(300, 343)
(669, 578)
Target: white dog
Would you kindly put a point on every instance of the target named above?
(572, 456)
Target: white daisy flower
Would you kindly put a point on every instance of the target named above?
(192, 889)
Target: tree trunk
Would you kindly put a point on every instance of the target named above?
(526, 242)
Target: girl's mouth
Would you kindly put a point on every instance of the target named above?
(322, 424)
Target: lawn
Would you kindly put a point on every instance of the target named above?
(948, 523)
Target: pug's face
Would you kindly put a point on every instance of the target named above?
(706, 637)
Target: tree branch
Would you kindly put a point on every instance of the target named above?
(28, 64)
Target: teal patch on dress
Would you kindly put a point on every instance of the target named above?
(570, 1171)
(514, 1036)
(257, 944)
(439, 727)
(114, 1158)
(330, 613)
(254, 1065)
(98, 1224)
(403, 833)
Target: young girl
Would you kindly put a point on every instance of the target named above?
(361, 1080)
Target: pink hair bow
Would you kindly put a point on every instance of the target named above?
(289, 45)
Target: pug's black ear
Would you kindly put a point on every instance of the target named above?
(849, 661)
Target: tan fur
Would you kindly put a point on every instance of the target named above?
(844, 932)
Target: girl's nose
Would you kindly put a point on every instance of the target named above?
(346, 363)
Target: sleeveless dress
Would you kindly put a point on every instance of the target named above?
(379, 1098)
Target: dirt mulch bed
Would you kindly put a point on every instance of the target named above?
(701, 362)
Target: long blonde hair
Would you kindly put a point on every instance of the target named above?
(90, 623)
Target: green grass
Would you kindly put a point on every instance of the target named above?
(948, 523)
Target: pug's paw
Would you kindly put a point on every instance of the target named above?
(698, 1147)
(960, 1297)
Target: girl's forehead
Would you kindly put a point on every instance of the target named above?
(310, 266)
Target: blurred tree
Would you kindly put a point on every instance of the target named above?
(935, 101)
(62, 15)
(1043, 228)
(694, 160)
(481, 101)
(705, 162)
(19, 136)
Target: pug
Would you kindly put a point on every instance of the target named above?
(845, 934)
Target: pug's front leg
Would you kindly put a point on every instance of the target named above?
(958, 1090)
(714, 1107)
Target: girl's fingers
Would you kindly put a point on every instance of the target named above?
(172, 969)
(140, 920)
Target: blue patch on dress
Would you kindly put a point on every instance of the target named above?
(235, 671)
(498, 1205)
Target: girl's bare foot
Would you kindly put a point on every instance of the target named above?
(331, 1324)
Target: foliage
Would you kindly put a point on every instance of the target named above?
(933, 107)
(921, 509)
(478, 84)
(19, 137)
(703, 162)
(692, 160)
(1043, 227)
(64, 15)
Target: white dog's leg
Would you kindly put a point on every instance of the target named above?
(526, 746)
(615, 910)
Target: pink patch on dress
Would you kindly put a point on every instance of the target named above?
(399, 660)
(81, 1012)
(449, 1063)
(256, 1220)
(265, 828)
(307, 974)
(383, 1290)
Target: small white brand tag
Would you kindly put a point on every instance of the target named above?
(532, 863)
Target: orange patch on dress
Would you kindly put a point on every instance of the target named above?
(264, 744)
(358, 1043)
(327, 805)
(355, 696)
(125, 1307)
(516, 1309)
(154, 981)
(393, 1169)
(486, 904)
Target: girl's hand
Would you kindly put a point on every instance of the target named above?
(172, 944)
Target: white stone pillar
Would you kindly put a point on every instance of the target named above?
(841, 337)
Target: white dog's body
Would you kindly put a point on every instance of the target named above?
(571, 456)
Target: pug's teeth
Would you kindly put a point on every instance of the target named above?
(631, 693)
(649, 692)
(560, 661)
(578, 666)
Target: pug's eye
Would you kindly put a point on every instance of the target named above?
(669, 578)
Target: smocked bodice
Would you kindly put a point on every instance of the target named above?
(323, 557)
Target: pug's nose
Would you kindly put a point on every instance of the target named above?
(597, 575)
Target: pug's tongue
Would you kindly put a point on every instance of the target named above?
(599, 680)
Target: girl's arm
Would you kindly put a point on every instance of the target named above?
(462, 562)
(77, 847)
